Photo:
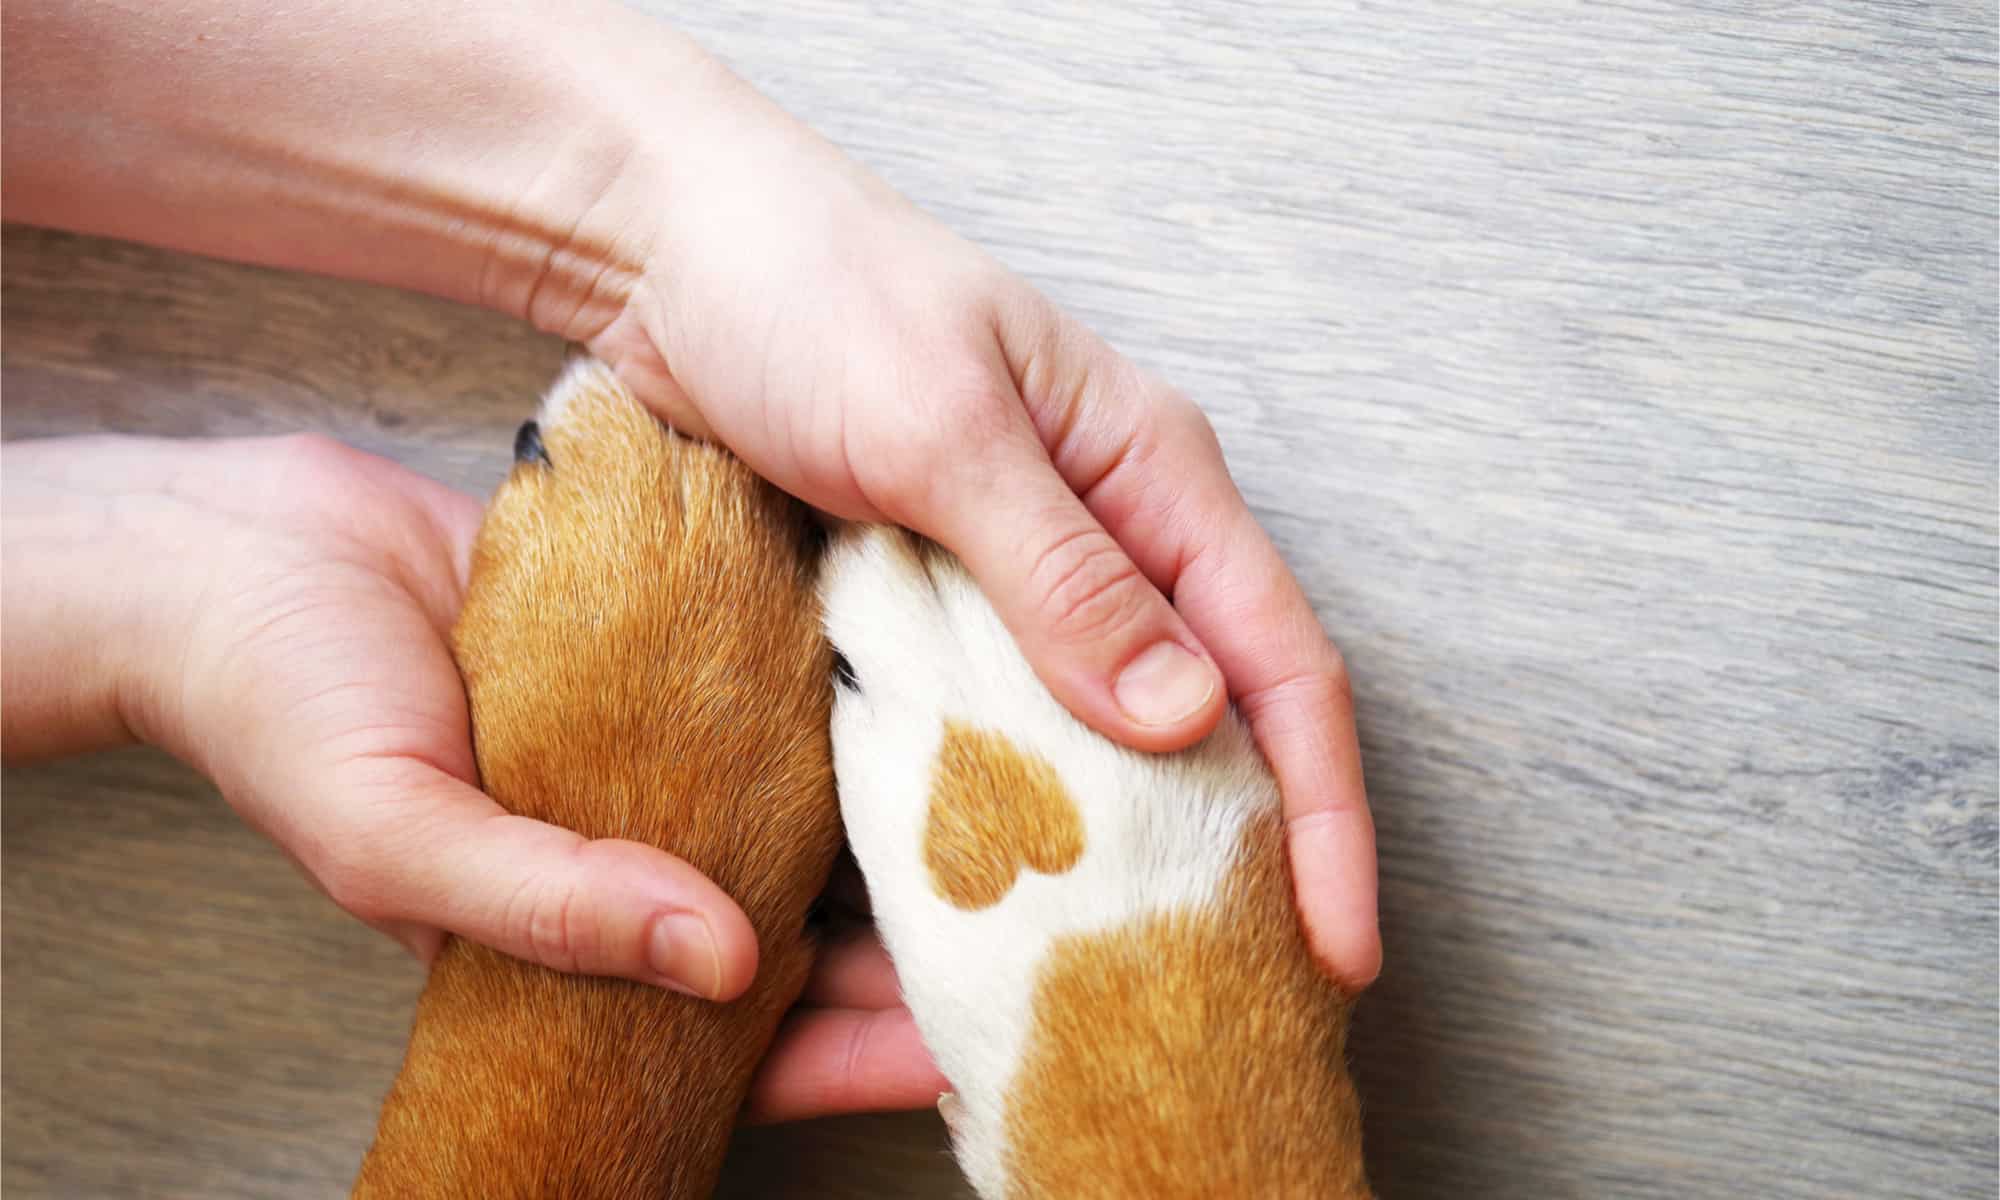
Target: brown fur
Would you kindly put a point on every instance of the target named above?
(1189, 1056)
(995, 809)
(642, 654)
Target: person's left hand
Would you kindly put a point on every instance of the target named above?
(275, 612)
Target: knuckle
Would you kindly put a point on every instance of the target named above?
(907, 483)
(1323, 691)
(1336, 684)
(1189, 421)
(356, 885)
(986, 285)
(973, 406)
(946, 438)
(315, 456)
(1203, 429)
(1089, 588)
(545, 917)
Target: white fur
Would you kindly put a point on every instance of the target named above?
(1160, 831)
(581, 374)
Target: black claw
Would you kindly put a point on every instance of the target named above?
(843, 673)
(528, 444)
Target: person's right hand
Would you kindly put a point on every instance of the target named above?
(858, 354)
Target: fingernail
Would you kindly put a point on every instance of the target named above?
(684, 952)
(1165, 685)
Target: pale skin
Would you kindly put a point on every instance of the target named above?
(591, 171)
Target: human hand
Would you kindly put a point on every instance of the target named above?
(859, 355)
(274, 612)
(602, 177)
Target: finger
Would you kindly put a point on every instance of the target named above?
(1149, 467)
(854, 972)
(834, 1060)
(435, 851)
(1098, 633)
(1293, 690)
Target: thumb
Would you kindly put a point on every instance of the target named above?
(547, 895)
(1102, 638)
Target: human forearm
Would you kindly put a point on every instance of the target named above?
(485, 153)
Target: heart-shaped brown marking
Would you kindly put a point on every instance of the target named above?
(995, 808)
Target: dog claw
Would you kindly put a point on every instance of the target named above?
(951, 1110)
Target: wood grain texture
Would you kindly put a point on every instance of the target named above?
(1620, 380)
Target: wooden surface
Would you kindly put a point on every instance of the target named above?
(1619, 378)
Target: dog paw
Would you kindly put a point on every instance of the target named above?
(1032, 880)
(641, 646)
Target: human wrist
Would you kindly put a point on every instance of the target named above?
(618, 119)
(654, 132)
(575, 236)
(93, 549)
